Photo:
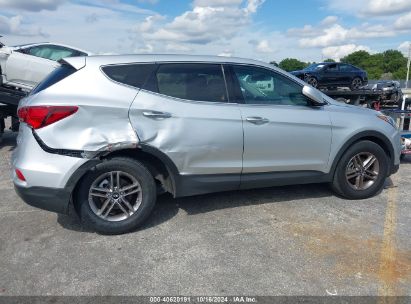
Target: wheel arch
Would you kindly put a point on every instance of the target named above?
(162, 168)
(374, 136)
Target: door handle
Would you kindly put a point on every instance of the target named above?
(156, 114)
(257, 120)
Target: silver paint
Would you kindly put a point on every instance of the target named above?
(199, 137)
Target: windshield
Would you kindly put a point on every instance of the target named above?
(314, 67)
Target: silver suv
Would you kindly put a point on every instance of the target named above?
(109, 133)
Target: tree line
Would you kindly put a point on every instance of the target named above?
(391, 64)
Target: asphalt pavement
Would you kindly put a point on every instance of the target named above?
(294, 240)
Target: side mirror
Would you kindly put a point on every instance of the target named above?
(314, 95)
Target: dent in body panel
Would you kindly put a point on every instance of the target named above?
(199, 137)
(39, 167)
(101, 122)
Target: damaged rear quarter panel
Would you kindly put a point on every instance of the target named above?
(101, 121)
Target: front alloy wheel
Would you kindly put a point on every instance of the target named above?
(362, 171)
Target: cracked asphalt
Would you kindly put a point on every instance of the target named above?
(294, 240)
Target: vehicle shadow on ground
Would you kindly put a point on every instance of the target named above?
(406, 159)
(167, 207)
(8, 139)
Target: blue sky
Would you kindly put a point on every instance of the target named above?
(309, 30)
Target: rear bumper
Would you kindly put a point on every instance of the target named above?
(50, 199)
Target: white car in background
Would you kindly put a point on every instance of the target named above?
(24, 66)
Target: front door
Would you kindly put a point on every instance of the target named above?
(188, 118)
(282, 131)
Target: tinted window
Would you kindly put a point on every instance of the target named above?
(51, 52)
(134, 75)
(200, 82)
(261, 86)
(58, 74)
(332, 68)
(346, 68)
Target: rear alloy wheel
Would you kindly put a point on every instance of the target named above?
(361, 171)
(356, 84)
(312, 81)
(116, 196)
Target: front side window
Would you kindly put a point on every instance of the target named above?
(262, 86)
(332, 68)
(199, 82)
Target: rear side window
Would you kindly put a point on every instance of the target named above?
(199, 82)
(57, 75)
(346, 68)
(134, 75)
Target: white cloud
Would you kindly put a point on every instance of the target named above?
(177, 47)
(146, 49)
(336, 34)
(403, 22)
(14, 26)
(306, 31)
(366, 8)
(337, 52)
(386, 7)
(31, 5)
(253, 5)
(214, 21)
(264, 47)
(226, 53)
(70, 24)
(404, 47)
(216, 3)
(148, 1)
(329, 20)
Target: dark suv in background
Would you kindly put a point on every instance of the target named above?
(331, 74)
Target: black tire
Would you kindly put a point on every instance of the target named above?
(340, 183)
(312, 81)
(356, 83)
(131, 168)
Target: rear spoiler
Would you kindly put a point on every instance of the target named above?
(75, 62)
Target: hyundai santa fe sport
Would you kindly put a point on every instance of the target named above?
(107, 134)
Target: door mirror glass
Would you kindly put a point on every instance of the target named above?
(314, 95)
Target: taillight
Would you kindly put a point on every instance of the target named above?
(41, 116)
(20, 175)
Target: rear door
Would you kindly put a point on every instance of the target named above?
(282, 132)
(184, 112)
(331, 74)
(347, 73)
(16, 66)
(31, 65)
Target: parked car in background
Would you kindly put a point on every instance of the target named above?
(391, 91)
(109, 133)
(332, 75)
(24, 66)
